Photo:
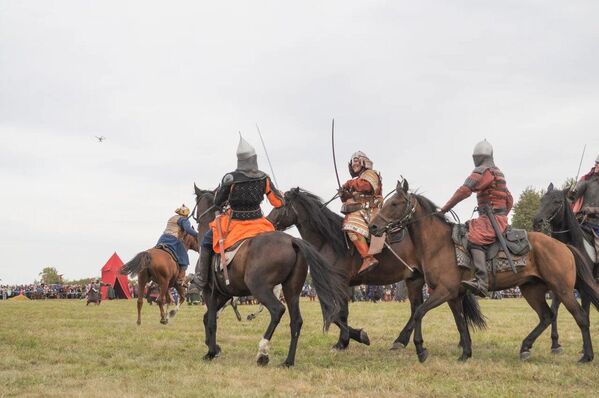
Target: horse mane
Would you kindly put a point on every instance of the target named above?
(430, 207)
(571, 223)
(320, 218)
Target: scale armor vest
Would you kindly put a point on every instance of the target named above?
(172, 228)
(245, 196)
(496, 194)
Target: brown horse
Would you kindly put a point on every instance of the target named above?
(263, 262)
(159, 266)
(551, 265)
(322, 228)
(555, 210)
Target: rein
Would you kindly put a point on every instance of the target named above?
(559, 209)
(406, 219)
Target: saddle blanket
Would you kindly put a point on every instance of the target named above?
(497, 264)
(229, 256)
(236, 230)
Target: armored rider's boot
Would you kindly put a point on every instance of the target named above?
(479, 284)
(181, 276)
(368, 260)
(202, 268)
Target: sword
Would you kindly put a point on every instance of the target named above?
(221, 246)
(334, 159)
(267, 157)
(582, 157)
(489, 213)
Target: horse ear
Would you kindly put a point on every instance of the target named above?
(405, 187)
(196, 189)
(550, 187)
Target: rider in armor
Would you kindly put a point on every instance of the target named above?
(362, 198)
(242, 190)
(585, 196)
(172, 237)
(489, 184)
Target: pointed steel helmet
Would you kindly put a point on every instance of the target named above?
(244, 149)
(483, 148)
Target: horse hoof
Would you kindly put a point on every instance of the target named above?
(423, 355)
(585, 359)
(364, 339)
(525, 355)
(397, 346)
(463, 358)
(250, 317)
(262, 360)
(164, 321)
(340, 347)
(286, 365)
(209, 356)
(138, 323)
(557, 350)
(172, 313)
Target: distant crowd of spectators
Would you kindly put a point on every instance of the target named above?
(42, 291)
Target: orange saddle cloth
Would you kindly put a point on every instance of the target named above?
(236, 230)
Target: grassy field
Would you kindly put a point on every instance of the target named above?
(63, 348)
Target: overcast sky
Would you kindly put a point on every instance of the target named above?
(414, 84)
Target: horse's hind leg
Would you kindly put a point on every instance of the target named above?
(556, 347)
(414, 287)
(265, 295)
(534, 293)
(141, 285)
(162, 301)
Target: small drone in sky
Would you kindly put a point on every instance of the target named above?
(100, 138)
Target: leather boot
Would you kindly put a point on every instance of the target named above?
(479, 284)
(181, 276)
(368, 261)
(202, 269)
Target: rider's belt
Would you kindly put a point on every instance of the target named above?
(498, 212)
(246, 214)
(350, 207)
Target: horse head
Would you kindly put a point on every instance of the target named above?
(551, 208)
(285, 216)
(204, 213)
(395, 212)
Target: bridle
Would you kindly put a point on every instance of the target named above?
(286, 206)
(557, 211)
(400, 223)
(197, 219)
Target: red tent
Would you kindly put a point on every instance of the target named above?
(111, 275)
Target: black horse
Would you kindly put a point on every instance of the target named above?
(556, 211)
(263, 262)
(322, 228)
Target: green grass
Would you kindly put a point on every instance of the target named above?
(63, 348)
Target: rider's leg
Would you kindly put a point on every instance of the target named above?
(203, 265)
(368, 260)
(480, 281)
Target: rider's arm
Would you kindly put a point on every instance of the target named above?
(274, 196)
(186, 226)
(223, 190)
(476, 181)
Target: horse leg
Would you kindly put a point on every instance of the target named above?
(437, 297)
(214, 302)
(344, 328)
(456, 307)
(276, 309)
(414, 287)
(162, 301)
(292, 299)
(234, 306)
(556, 347)
(141, 284)
(534, 293)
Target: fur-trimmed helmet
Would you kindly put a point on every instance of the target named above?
(183, 211)
(364, 161)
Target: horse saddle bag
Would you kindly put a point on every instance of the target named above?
(229, 255)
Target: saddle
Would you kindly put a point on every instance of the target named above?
(516, 241)
(167, 249)
(229, 255)
(591, 242)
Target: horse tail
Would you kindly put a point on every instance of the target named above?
(140, 262)
(472, 313)
(585, 282)
(328, 281)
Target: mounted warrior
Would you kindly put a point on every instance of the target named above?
(585, 197)
(494, 200)
(362, 198)
(239, 196)
(172, 237)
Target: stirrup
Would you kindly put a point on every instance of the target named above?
(474, 287)
(368, 264)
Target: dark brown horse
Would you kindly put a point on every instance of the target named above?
(551, 265)
(263, 262)
(322, 228)
(159, 266)
(555, 210)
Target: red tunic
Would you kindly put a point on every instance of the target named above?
(489, 184)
